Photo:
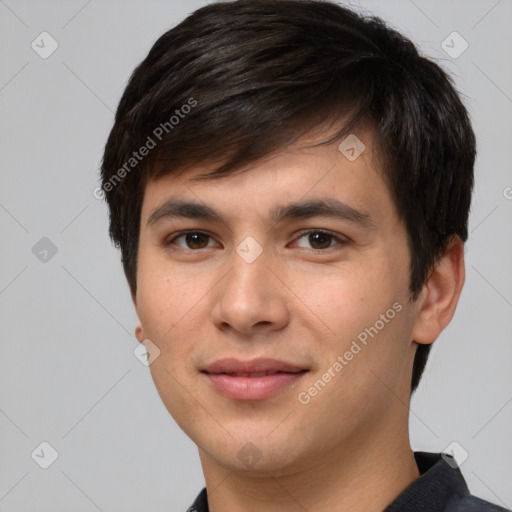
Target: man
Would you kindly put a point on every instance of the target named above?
(289, 184)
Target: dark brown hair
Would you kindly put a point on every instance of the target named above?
(237, 81)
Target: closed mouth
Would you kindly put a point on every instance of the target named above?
(255, 374)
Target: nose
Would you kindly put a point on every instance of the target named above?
(251, 299)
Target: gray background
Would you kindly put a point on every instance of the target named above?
(68, 374)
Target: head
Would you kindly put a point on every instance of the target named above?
(243, 107)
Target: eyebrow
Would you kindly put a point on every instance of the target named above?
(328, 207)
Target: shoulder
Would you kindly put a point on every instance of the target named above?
(470, 503)
(201, 502)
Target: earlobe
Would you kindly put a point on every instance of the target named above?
(139, 333)
(440, 294)
(139, 330)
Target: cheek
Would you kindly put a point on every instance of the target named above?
(169, 310)
(359, 313)
(165, 295)
(174, 309)
(346, 300)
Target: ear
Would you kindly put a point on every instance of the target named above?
(139, 330)
(440, 294)
(139, 333)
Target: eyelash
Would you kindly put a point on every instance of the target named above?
(335, 237)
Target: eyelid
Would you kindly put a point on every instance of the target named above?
(342, 240)
(170, 239)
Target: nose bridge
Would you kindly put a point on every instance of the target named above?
(250, 295)
(248, 285)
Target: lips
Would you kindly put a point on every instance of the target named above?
(253, 374)
(257, 367)
(252, 380)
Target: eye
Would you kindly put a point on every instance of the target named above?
(315, 240)
(191, 240)
(319, 240)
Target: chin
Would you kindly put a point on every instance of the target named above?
(256, 455)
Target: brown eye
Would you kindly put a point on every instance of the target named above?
(196, 240)
(191, 240)
(318, 240)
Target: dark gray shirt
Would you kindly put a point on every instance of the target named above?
(440, 488)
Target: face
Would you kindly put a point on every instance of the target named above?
(279, 304)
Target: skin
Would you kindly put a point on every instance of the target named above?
(348, 448)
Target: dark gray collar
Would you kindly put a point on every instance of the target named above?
(440, 488)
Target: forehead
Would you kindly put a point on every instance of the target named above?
(348, 170)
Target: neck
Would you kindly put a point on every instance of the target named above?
(363, 474)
